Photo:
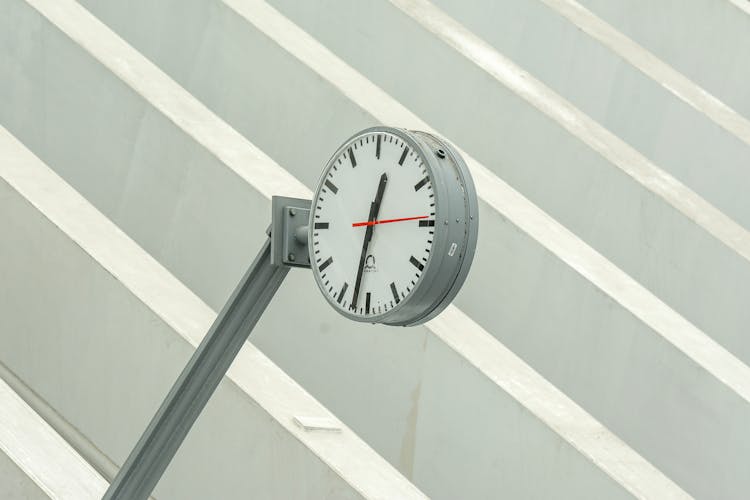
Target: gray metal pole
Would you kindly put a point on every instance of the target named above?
(153, 453)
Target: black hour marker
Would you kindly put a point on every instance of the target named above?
(321, 225)
(352, 158)
(331, 186)
(377, 149)
(426, 223)
(325, 264)
(342, 292)
(416, 263)
(421, 183)
(395, 293)
(367, 295)
(403, 155)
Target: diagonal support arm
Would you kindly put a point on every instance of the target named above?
(199, 379)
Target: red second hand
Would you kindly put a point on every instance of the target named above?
(386, 221)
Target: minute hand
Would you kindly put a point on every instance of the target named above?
(374, 211)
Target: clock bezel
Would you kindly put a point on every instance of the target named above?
(456, 222)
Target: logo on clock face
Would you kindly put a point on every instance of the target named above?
(370, 266)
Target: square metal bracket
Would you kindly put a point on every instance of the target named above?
(290, 219)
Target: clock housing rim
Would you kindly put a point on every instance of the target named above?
(404, 312)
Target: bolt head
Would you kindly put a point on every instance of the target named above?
(292, 212)
(291, 257)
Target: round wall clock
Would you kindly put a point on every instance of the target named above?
(393, 226)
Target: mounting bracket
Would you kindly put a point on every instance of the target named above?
(290, 218)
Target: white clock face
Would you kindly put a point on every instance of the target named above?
(373, 225)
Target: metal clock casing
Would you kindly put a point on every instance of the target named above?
(455, 226)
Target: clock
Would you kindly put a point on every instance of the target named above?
(393, 226)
